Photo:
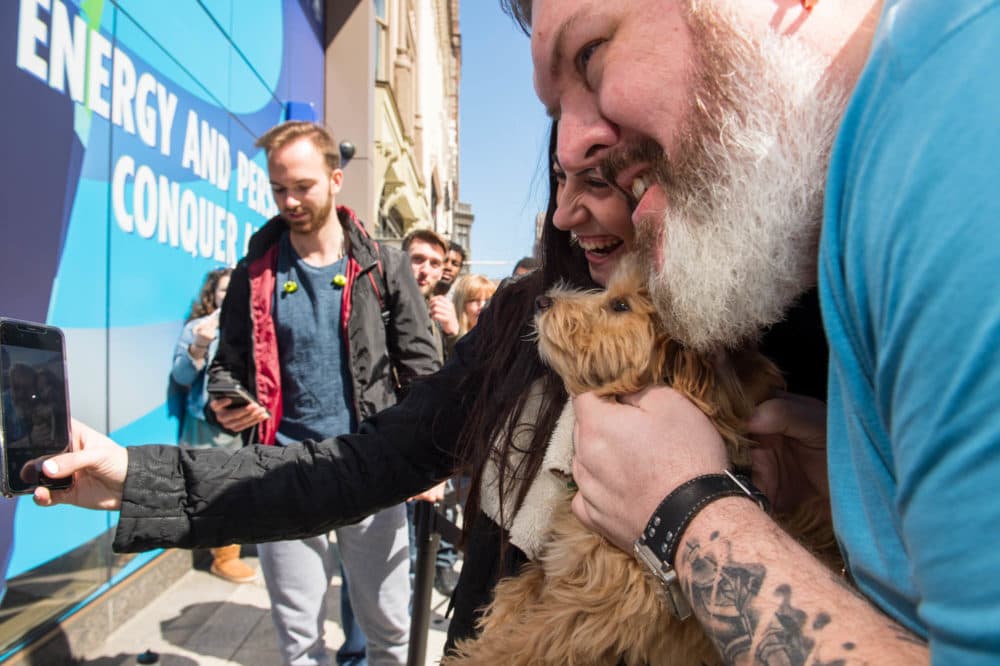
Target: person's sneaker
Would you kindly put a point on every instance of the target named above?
(445, 580)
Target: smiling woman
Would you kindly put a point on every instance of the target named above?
(597, 217)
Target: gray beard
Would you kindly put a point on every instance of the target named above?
(739, 239)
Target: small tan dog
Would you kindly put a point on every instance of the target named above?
(584, 601)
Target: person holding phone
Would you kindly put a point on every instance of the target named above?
(193, 353)
(324, 328)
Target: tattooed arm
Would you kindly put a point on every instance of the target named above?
(761, 597)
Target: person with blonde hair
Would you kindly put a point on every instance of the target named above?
(472, 293)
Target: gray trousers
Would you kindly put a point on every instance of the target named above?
(376, 562)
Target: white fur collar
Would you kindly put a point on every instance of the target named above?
(548, 488)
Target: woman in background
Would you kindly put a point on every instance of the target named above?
(192, 356)
(472, 293)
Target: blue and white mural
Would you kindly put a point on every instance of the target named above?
(130, 172)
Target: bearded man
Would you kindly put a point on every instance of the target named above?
(750, 133)
(764, 143)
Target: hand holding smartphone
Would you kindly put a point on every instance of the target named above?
(242, 412)
(237, 394)
(96, 464)
(34, 405)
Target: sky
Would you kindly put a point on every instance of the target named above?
(503, 135)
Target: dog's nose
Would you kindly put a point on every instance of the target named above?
(542, 303)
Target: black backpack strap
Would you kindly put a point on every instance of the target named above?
(380, 286)
(380, 294)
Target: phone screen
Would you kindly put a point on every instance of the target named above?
(34, 407)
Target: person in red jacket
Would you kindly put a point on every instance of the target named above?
(325, 328)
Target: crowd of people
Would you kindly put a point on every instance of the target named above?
(758, 159)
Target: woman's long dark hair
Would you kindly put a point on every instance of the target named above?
(508, 364)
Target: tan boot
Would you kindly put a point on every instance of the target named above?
(226, 564)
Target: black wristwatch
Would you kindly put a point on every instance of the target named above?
(656, 547)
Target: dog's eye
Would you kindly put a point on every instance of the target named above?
(620, 305)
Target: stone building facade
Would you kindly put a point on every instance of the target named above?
(393, 73)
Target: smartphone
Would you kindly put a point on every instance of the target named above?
(34, 405)
(238, 396)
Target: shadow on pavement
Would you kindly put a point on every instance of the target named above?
(197, 628)
(130, 659)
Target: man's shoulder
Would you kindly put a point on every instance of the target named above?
(914, 30)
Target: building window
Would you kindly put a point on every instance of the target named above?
(462, 236)
(391, 225)
(381, 42)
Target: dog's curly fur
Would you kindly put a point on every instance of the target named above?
(584, 601)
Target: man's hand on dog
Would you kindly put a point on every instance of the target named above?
(789, 463)
(632, 453)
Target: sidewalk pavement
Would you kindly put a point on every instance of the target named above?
(202, 620)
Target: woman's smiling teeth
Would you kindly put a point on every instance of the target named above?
(599, 245)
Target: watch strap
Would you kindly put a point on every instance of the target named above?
(657, 546)
(666, 526)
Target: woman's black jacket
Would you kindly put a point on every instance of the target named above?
(195, 498)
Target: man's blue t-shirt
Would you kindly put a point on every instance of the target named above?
(315, 382)
(909, 275)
